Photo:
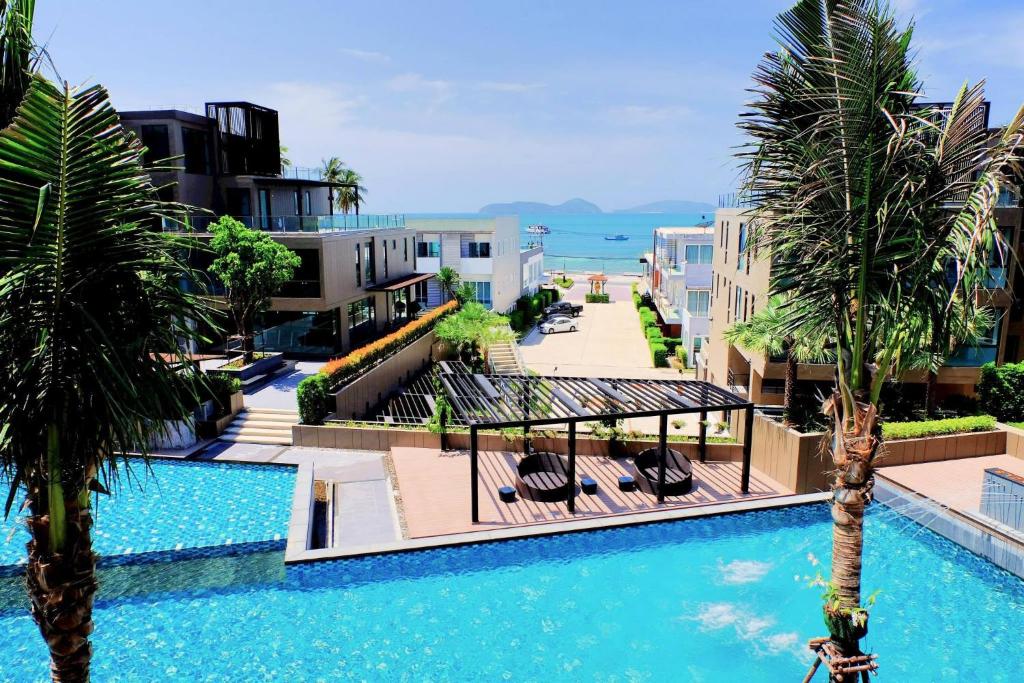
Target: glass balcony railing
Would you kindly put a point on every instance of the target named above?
(335, 223)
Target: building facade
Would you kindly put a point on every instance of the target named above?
(532, 260)
(678, 278)
(357, 272)
(484, 252)
(740, 285)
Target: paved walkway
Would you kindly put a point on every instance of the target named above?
(956, 484)
(279, 393)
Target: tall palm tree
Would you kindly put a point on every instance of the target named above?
(768, 334)
(859, 192)
(90, 304)
(333, 172)
(353, 191)
(16, 54)
(448, 279)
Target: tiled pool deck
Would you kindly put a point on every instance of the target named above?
(435, 491)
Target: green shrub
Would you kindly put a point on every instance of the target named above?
(647, 317)
(1001, 391)
(894, 431)
(1018, 425)
(671, 343)
(638, 303)
(597, 299)
(681, 354)
(536, 305)
(313, 395)
(557, 295)
(653, 332)
(517, 321)
(219, 387)
(659, 354)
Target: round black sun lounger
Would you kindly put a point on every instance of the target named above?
(543, 477)
(678, 472)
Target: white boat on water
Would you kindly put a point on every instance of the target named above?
(539, 230)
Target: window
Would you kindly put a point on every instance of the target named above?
(305, 282)
(369, 267)
(483, 292)
(428, 249)
(359, 270)
(362, 316)
(386, 259)
(265, 208)
(405, 247)
(157, 143)
(477, 250)
(698, 253)
(307, 206)
(697, 302)
(698, 342)
(741, 255)
(197, 151)
(295, 202)
(736, 304)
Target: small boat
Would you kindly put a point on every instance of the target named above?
(539, 230)
(617, 238)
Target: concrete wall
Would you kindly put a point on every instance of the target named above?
(355, 398)
(793, 459)
(1014, 441)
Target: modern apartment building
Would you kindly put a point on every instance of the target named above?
(678, 278)
(740, 287)
(483, 250)
(358, 272)
(532, 260)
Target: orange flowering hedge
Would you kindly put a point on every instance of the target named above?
(314, 392)
(339, 369)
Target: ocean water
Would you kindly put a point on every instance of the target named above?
(176, 505)
(577, 244)
(716, 599)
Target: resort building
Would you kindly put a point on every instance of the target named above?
(740, 288)
(678, 277)
(484, 252)
(358, 271)
(532, 260)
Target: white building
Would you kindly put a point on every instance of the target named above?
(532, 259)
(483, 250)
(680, 282)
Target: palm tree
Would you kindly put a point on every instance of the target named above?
(448, 279)
(767, 333)
(285, 161)
(859, 191)
(90, 304)
(333, 171)
(16, 59)
(351, 192)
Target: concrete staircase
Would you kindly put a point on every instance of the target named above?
(504, 359)
(262, 425)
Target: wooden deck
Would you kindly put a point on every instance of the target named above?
(435, 491)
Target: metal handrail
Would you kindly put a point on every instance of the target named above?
(320, 223)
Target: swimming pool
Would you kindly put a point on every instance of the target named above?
(723, 598)
(180, 505)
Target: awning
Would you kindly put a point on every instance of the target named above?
(400, 282)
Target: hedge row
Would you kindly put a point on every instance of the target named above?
(598, 299)
(659, 354)
(529, 308)
(1001, 391)
(894, 431)
(313, 392)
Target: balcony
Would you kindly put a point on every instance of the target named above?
(296, 224)
(973, 357)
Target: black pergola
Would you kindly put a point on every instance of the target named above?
(527, 401)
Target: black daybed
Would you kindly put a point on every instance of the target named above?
(678, 472)
(543, 477)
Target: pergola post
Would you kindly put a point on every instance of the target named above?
(702, 440)
(474, 473)
(748, 440)
(572, 469)
(662, 455)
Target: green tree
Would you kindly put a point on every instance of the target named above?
(16, 55)
(465, 293)
(448, 280)
(333, 172)
(92, 320)
(353, 191)
(472, 330)
(252, 267)
(285, 161)
(860, 193)
(767, 333)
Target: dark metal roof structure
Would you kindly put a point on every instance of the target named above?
(519, 400)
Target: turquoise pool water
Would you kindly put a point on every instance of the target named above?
(718, 599)
(177, 505)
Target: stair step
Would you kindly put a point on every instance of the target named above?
(272, 440)
(266, 422)
(272, 411)
(256, 431)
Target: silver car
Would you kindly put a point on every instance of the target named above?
(559, 323)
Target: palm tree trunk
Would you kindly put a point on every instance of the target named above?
(930, 399)
(61, 586)
(854, 444)
(789, 397)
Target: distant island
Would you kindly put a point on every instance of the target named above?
(671, 206)
(582, 206)
(515, 208)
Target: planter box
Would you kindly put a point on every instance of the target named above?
(179, 434)
(936, 448)
(261, 366)
(1014, 440)
(209, 429)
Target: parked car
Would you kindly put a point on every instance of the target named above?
(558, 323)
(563, 308)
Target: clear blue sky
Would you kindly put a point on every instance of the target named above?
(446, 105)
